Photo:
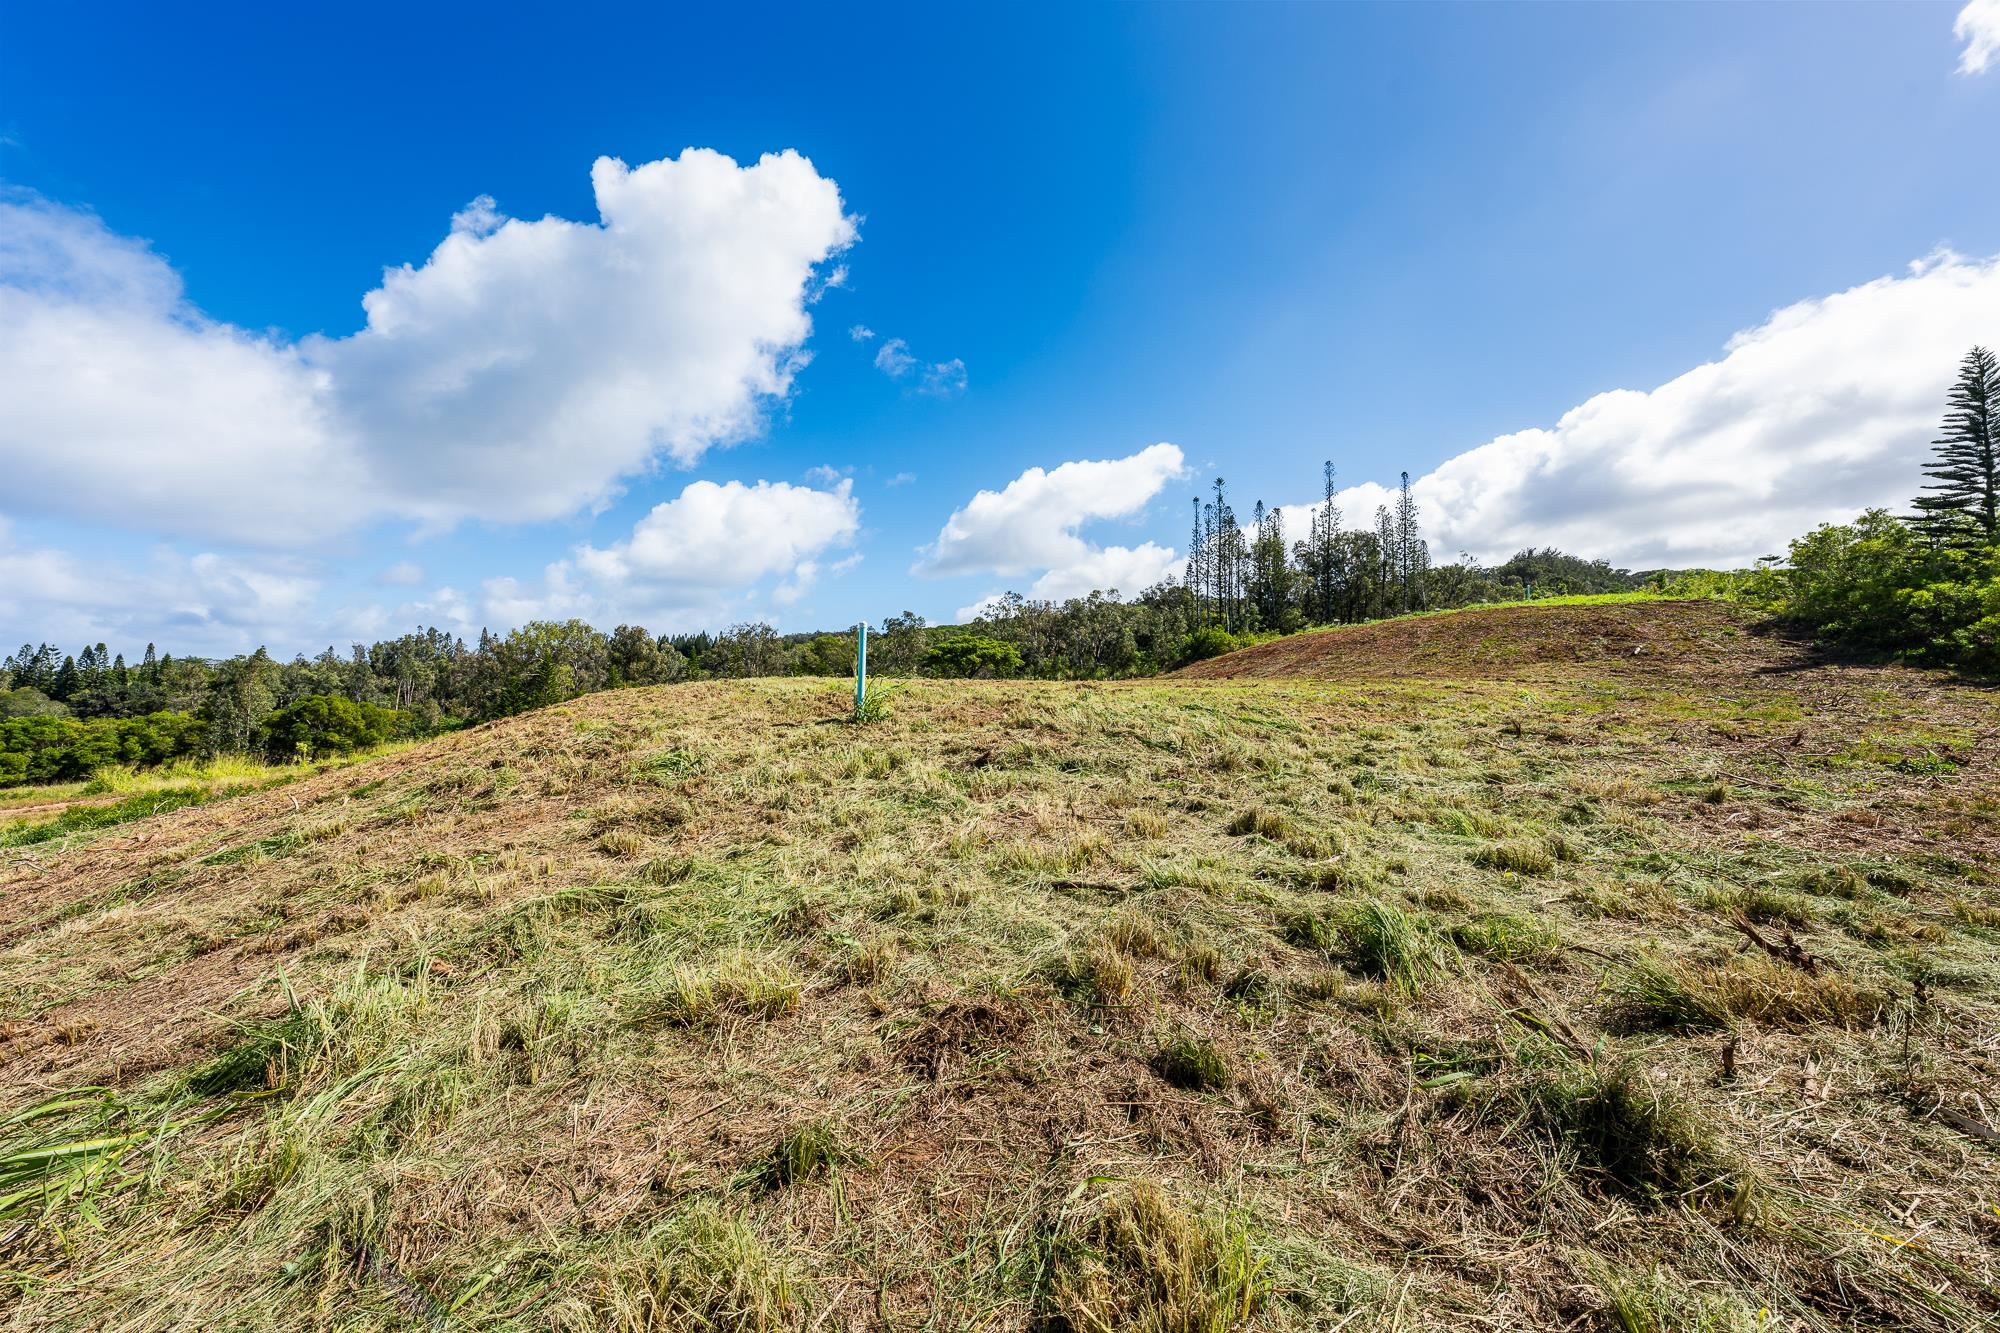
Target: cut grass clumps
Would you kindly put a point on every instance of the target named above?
(1098, 975)
(1662, 995)
(702, 1270)
(1835, 881)
(1636, 1138)
(802, 1153)
(259, 1059)
(1193, 1064)
(1379, 939)
(737, 985)
(1507, 939)
(1316, 931)
(622, 843)
(1268, 824)
(1138, 1261)
(1765, 906)
(1656, 995)
(1272, 826)
(872, 960)
(1657, 1301)
(1517, 856)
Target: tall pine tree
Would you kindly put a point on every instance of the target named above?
(1413, 556)
(1961, 506)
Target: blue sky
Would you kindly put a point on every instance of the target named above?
(1431, 238)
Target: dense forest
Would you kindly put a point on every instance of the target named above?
(1924, 587)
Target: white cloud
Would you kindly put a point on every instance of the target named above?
(201, 603)
(723, 536)
(1122, 569)
(1033, 526)
(1978, 26)
(943, 379)
(901, 479)
(1825, 409)
(940, 379)
(893, 358)
(402, 574)
(835, 279)
(119, 401)
(517, 374)
(696, 559)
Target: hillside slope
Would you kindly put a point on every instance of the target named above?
(1411, 1004)
(1646, 635)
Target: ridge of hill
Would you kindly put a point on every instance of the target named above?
(1560, 996)
(1641, 632)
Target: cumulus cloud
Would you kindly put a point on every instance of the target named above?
(517, 374)
(1978, 26)
(860, 333)
(1124, 569)
(202, 603)
(695, 557)
(1823, 410)
(1033, 526)
(119, 401)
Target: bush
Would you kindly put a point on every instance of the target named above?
(51, 748)
(321, 724)
(1877, 585)
(1208, 642)
(969, 655)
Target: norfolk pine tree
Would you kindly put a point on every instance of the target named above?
(1962, 505)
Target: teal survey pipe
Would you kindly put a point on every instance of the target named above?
(860, 667)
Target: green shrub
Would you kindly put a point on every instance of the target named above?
(1207, 642)
(970, 655)
(322, 724)
(1876, 584)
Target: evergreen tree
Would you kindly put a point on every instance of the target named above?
(1227, 557)
(1271, 572)
(1321, 557)
(66, 681)
(1197, 585)
(1962, 505)
(1412, 554)
(1388, 565)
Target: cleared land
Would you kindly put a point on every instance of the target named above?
(1500, 978)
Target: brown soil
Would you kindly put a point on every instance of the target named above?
(1515, 640)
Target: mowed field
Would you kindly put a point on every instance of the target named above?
(1617, 967)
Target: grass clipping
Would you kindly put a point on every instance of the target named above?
(1140, 1262)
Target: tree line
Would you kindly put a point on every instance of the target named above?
(62, 715)
(1924, 586)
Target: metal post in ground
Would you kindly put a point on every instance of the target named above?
(860, 667)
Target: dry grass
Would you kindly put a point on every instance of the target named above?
(695, 1008)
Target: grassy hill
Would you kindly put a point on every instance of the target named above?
(1501, 976)
(1612, 630)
